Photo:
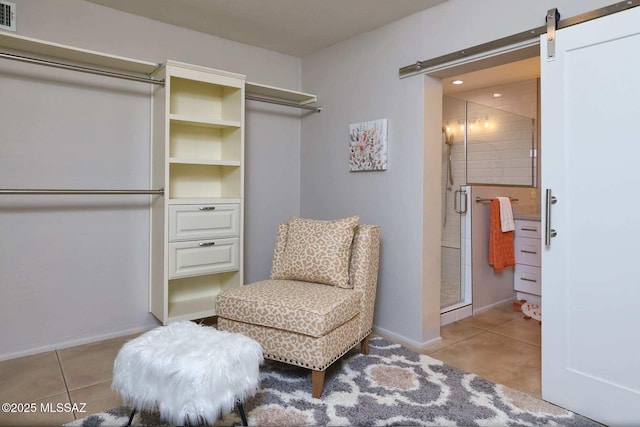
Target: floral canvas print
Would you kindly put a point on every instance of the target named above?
(368, 146)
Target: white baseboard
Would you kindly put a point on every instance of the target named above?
(409, 343)
(494, 305)
(76, 342)
(455, 315)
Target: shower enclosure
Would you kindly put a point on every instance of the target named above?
(480, 145)
(453, 286)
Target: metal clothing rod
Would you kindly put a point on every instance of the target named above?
(80, 69)
(424, 66)
(51, 191)
(482, 200)
(286, 103)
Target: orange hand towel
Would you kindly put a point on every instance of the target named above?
(501, 253)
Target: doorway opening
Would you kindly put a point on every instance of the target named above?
(490, 148)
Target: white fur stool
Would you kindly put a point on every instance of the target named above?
(190, 374)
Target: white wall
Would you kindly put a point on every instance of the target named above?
(357, 80)
(75, 269)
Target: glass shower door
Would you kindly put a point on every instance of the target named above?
(454, 202)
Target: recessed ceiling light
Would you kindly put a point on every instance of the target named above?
(497, 95)
(457, 82)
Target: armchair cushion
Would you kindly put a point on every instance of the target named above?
(316, 251)
(311, 309)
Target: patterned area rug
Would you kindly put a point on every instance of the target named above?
(532, 310)
(390, 386)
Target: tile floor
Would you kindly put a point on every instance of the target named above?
(80, 375)
(498, 344)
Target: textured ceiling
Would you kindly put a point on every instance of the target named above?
(294, 27)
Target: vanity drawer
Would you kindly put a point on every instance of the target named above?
(530, 229)
(527, 279)
(206, 221)
(203, 257)
(527, 251)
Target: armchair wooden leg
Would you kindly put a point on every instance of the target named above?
(317, 383)
(364, 345)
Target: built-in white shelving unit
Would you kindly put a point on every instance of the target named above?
(198, 157)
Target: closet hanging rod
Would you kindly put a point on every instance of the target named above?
(279, 102)
(67, 191)
(482, 200)
(80, 69)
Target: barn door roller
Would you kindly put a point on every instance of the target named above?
(553, 16)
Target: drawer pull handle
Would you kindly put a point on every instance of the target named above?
(528, 280)
(528, 252)
(207, 208)
(207, 243)
(529, 229)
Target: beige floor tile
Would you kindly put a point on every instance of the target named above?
(497, 358)
(95, 398)
(506, 307)
(521, 329)
(451, 334)
(525, 380)
(492, 318)
(30, 378)
(90, 364)
(55, 410)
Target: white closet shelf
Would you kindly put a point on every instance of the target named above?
(279, 93)
(187, 309)
(35, 46)
(60, 51)
(181, 119)
(199, 161)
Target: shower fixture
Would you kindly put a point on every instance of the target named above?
(449, 139)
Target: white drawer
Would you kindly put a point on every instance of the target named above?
(203, 257)
(527, 279)
(525, 228)
(196, 222)
(527, 251)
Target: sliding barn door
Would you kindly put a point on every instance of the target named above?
(591, 269)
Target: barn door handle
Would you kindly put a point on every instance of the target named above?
(549, 232)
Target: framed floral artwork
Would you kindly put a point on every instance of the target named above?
(368, 146)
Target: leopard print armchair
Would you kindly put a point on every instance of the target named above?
(304, 323)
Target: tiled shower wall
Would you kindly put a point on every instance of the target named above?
(450, 264)
(499, 147)
(500, 153)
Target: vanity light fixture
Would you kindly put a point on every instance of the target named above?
(457, 82)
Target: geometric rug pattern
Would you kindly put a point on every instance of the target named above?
(392, 386)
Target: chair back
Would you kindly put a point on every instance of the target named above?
(363, 267)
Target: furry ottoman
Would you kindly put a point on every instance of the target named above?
(190, 374)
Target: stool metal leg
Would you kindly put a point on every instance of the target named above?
(131, 416)
(242, 414)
